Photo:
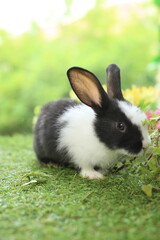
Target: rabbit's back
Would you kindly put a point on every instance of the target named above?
(47, 130)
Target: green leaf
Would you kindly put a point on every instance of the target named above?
(156, 151)
(147, 189)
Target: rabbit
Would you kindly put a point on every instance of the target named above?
(92, 134)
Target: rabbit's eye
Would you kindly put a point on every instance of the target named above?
(121, 126)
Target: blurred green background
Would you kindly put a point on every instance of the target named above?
(33, 64)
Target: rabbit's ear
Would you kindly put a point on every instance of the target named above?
(114, 82)
(87, 87)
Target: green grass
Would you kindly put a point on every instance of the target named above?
(62, 205)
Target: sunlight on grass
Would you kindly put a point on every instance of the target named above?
(56, 203)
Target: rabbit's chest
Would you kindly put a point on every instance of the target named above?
(80, 139)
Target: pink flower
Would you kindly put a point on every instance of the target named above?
(158, 125)
(157, 112)
(149, 114)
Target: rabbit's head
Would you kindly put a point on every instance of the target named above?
(118, 123)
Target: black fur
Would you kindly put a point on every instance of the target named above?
(114, 82)
(108, 114)
(105, 128)
(47, 132)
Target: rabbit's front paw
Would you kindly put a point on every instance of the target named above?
(91, 174)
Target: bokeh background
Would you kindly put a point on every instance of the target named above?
(41, 39)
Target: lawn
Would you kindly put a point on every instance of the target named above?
(37, 202)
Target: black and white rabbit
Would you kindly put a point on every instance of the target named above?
(93, 134)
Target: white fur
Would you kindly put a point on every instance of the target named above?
(82, 143)
(137, 117)
(91, 174)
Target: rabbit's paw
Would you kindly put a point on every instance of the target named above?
(91, 174)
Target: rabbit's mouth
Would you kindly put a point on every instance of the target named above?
(133, 149)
